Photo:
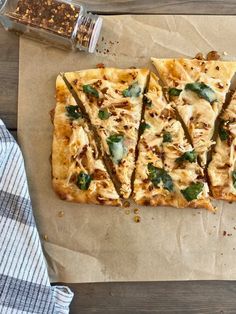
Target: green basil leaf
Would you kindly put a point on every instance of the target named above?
(202, 90)
(147, 102)
(174, 91)
(190, 156)
(144, 126)
(191, 193)
(167, 181)
(167, 137)
(156, 175)
(223, 133)
(133, 90)
(234, 178)
(90, 90)
(83, 181)
(116, 147)
(103, 114)
(73, 112)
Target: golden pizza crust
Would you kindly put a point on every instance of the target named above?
(161, 119)
(219, 194)
(124, 112)
(159, 200)
(74, 150)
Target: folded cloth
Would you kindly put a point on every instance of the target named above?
(24, 282)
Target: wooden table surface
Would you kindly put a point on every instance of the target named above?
(146, 297)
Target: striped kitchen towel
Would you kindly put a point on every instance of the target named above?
(24, 282)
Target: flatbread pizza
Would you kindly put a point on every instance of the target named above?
(112, 99)
(78, 171)
(167, 171)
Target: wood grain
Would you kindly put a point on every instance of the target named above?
(121, 298)
(9, 60)
(162, 6)
(205, 297)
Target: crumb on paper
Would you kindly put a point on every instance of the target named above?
(45, 237)
(126, 204)
(127, 212)
(224, 233)
(61, 213)
(229, 234)
(137, 218)
(225, 53)
(136, 210)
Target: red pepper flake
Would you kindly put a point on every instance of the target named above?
(224, 233)
(213, 55)
(199, 56)
(126, 204)
(100, 66)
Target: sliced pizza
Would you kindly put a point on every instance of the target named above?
(112, 99)
(167, 171)
(222, 168)
(198, 89)
(78, 171)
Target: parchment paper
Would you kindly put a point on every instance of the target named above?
(94, 243)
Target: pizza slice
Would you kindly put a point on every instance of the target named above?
(167, 171)
(222, 168)
(78, 172)
(112, 99)
(198, 89)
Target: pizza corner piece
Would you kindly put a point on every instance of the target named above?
(198, 89)
(222, 168)
(78, 172)
(113, 98)
(167, 171)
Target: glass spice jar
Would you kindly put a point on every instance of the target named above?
(63, 23)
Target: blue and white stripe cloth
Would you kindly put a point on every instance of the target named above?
(24, 282)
